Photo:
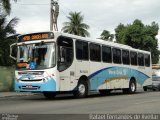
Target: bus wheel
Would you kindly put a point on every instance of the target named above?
(82, 90)
(132, 86)
(49, 95)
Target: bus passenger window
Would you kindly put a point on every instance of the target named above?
(95, 52)
(116, 55)
(81, 50)
(125, 57)
(106, 54)
(133, 56)
(147, 60)
(140, 59)
(65, 53)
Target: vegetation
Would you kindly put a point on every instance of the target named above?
(6, 30)
(105, 35)
(7, 5)
(139, 36)
(5, 41)
(75, 25)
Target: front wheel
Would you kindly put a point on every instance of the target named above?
(49, 95)
(82, 90)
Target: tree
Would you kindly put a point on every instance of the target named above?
(75, 25)
(139, 36)
(105, 35)
(6, 5)
(6, 29)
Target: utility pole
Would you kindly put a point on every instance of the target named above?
(54, 15)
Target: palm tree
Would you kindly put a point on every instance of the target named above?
(6, 29)
(6, 5)
(105, 35)
(75, 25)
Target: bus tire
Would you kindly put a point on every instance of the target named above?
(82, 89)
(49, 95)
(132, 86)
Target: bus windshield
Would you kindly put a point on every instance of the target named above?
(36, 56)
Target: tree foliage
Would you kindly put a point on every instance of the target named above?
(139, 36)
(75, 25)
(106, 35)
(6, 29)
(7, 5)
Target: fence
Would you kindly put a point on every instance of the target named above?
(6, 78)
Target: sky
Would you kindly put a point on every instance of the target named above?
(34, 15)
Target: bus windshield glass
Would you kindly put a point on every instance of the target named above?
(36, 56)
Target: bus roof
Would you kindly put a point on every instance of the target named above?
(98, 41)
(118, 45)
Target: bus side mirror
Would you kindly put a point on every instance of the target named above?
(13, 51)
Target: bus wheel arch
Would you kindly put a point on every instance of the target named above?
(132, 85)
(82, 88)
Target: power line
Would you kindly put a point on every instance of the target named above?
(28, 4)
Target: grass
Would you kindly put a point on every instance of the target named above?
(6, 79)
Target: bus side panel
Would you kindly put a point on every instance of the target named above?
(95, 68)
(117, 77)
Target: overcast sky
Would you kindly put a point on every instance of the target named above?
(34, 15)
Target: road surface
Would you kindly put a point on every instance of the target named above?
(141, 102)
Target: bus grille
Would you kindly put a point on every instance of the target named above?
(32, 80)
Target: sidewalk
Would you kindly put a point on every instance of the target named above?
(15, 94)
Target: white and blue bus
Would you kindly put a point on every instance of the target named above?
(54, 62)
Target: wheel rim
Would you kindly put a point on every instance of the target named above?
(81, 89)
(133, 87)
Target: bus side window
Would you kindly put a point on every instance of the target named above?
(147, 60)
(116, 55)
(133, 56)
(140, 59)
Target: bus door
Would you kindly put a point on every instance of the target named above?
(66, 67)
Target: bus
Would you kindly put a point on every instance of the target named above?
(55, 62)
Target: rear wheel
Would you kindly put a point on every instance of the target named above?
(82, 89)
(49, 95)
(132, 86)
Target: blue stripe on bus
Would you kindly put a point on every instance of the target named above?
(99, 77)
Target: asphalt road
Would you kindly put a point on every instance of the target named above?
(141, 102)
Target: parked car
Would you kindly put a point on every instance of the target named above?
(156, 78)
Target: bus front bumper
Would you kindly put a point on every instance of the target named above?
(49, 86)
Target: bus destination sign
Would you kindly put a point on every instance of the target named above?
(36, 36)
